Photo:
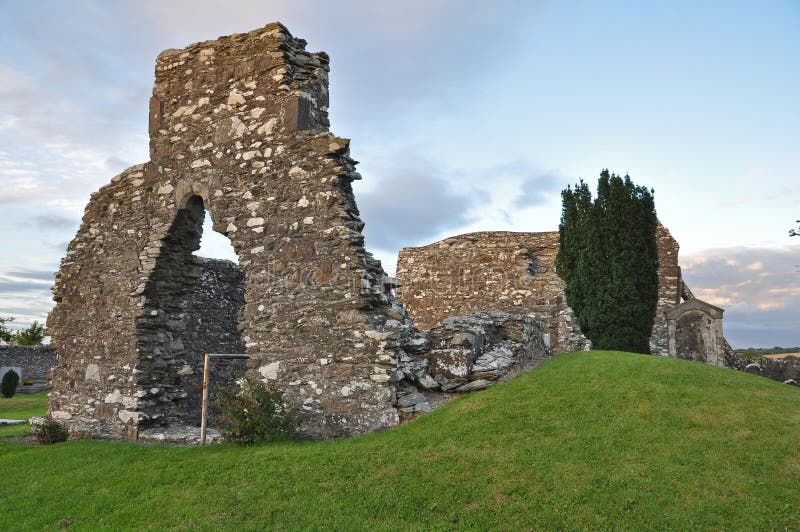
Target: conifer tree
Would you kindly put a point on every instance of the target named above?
(608, 259)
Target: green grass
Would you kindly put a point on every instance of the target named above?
(586, 441)
(21, 406)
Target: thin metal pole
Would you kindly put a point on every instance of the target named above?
(205, 401)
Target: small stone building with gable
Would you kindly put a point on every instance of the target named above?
(694, 332)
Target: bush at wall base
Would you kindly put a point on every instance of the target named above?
(50, 431)
(8, 387)
(255, 414)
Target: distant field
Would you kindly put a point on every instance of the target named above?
(592, 440)
(767, 352)
(783, 355)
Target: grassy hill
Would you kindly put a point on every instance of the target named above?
(587, 440)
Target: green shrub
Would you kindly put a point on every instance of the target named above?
(9, 385)
(255, 414)
(6, 334)
(50, 431)
(751, 355)
(33, 335)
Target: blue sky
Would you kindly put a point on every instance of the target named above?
(465, 116)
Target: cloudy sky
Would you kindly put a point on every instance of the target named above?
(466, 116)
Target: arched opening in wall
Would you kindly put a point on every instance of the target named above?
(192, 307)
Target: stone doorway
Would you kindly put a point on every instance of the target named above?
(694, 331)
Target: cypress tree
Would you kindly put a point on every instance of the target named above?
(608, 259)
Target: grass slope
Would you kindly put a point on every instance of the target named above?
(587, 440)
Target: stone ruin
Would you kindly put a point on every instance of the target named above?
(239, 129)
(515, 272)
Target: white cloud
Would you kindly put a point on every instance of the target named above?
(759, 288)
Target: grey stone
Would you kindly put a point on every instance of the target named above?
(480, 384)
(34, 361)
(463, 339)
(411, 399)
(179, 435)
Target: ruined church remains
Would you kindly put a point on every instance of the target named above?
(515, 272)
(239, 131)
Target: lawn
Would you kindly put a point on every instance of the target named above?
(587, 440)
(21, 406)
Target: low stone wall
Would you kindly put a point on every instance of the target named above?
(35, 361)
(786, 370)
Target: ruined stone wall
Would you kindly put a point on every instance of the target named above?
(506, 271)
(469, 353)
(212, 309)
(239, 127)
(514, 272)
(669, 289)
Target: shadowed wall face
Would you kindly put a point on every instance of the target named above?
(691, 342)
(695, 333)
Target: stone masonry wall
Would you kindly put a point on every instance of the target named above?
(468, 353)
(35, 361)
(506, 271)
(513, 272)
(238, 125)
(211, 318)
(670, 286)
(239, 130)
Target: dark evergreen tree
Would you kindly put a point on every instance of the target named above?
(608, 259)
